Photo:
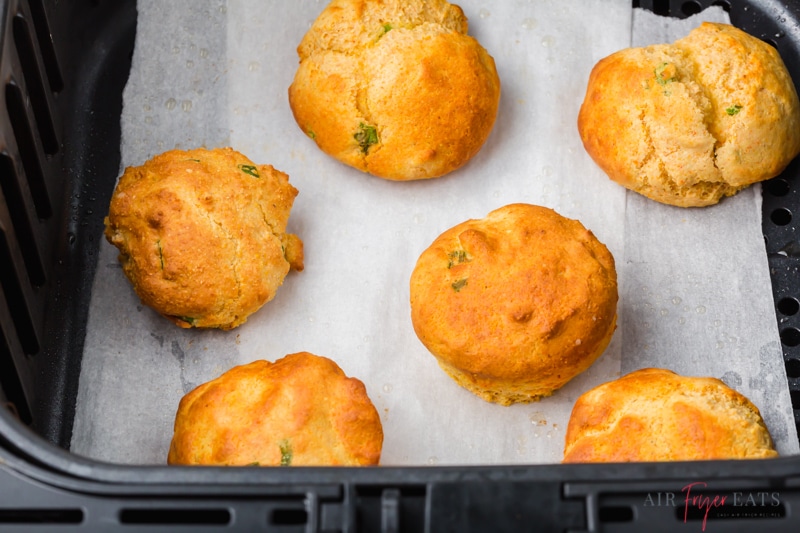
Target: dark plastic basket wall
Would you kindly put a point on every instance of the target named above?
(64, 65)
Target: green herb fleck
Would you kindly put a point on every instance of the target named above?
(195, 160)
(366, 136)
(286, 453)
(456, 257)
(665, 73)
(458, 285)
(160, 253)
(734, 109)
(254, 463)
(249, 169)
(311, 134)
(387, 28)
(189, 320)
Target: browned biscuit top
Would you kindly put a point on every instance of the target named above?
(523, 296)
(395, 88)
(301, 410)
(694, 121)
(656, 415)
(202, 234)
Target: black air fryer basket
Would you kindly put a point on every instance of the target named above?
(64, 65)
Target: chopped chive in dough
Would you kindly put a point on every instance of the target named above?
(286, 453)
(254, 463)
(665, 73)
(456, 257)
(189, 320)
(387, 28)
(249, 169)
(160, 254)
(458, 285)
(733, 109)
(311, 134)
(366, 136)
(195, 160)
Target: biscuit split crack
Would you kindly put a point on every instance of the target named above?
(395, 88)
(718, 111)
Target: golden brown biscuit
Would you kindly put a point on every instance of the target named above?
(656, 415)
(301, 410)
(689, 123)
(202, 235)
(395, 88)
(515, 305)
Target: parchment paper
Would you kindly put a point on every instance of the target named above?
(215, 73)
(697, 298)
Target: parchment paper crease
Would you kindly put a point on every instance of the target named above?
(695, 294)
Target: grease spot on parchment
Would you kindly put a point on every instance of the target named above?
(180, 356)
(732, 379)
(766, 388)
(158, 338)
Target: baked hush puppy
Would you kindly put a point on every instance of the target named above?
(395, 88)
(301, 410)
(689, 123)
(515, 305)
(655, 414)
(202, 235)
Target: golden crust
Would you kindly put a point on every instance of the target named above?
(301, 410)
(689, 123)
(202, 235)
(656, 415)
(406, 69)
(515, 305)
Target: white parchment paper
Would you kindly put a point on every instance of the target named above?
(216, 73)
(697, 296)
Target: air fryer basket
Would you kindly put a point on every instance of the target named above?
(64, 66)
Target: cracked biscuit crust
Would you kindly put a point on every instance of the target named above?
(691, 122)
(513, 306)
(395, 88)
(301, 410)
(654, 414)
(202, 235)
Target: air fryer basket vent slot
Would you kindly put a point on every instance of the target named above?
(44, 34)
(15, 298)
(15, 201)
(35, 85)
(15, 105)
(31, 183)
(40, 517)
(12, 395)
